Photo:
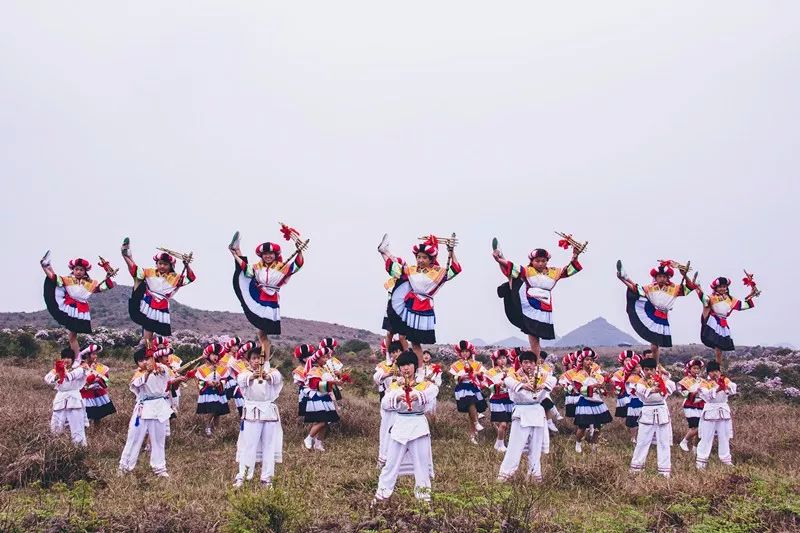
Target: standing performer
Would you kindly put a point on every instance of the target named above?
(432, 373)
(134, 425)
(153, 288)
(551, 411)
(689, 387)
(95, 392)
(410, 434)
(469, 376)
(68, 407)
(527, 295)
(302, 353)
(567, 381)
(591, 410)
(632, 377)
(235, 358)
(257, 285)
(648, 305)
(654, 422)
(67, 297)
(152, 412)
(527, 388)
(211, 377)
(500, 403)
(618, 381)
(333, 365)
(320, 409)
(261, 420)
(410, 310)
(717, 308)
(385, 374)
(716, 418)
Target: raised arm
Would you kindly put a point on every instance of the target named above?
(187, 276)
(509, 269)
(136, 272)
(455, 266)
(572, 268)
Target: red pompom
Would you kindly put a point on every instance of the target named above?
(346, 378)
(288, 232)
(437, 368)
(563, 243)
(748, 282)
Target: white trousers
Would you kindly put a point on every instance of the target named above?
(75, 418)
(662, 435)
(519, 438)
(157, 431)
(384, 438)
(420, 452)
(723, 429)
(257, 436)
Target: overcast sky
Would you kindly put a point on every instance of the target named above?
(664, 131)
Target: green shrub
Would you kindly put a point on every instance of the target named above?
(272, 510)
(354, 345)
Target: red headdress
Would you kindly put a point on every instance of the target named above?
(329, 342)
(244, 349)
(502, 352)
(726, 282)
(232, 342)
(464, 346)
(80, 262)
(693, 362)
(303, 352)
(164, 256)
(625, 354)
(630, 364)
(214, 348)
(429, 247)
(665, 268)
(315, 357)
(539, 252)
(164, 351)
(266, 247)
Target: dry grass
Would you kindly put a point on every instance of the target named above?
(49, 485)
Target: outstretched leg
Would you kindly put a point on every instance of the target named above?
(73, 343)
(718, 356)
(266, 345)
(418, 350)
(535, 345)
(654, 348)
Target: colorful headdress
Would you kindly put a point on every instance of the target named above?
(315, 357)
(164, 256)
(693, 362)
(631, 363)
(429, 247)
(625, 354)
(80, 262)
(163, 352)
(502, 352)
(663, 268)
(213, 349)
(303, 352)
(726, 282)
(244, 349)
(464, 346)
(328, 342)
(539, 252)
(568, 361)
(232, 342)
(160, 342)
(92, 348)
(266, 247)
(587, 352)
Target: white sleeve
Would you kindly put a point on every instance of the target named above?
(670, 386)
(377, 377)
(243, 379)
(76, 374)
(50, 378)
(731, 388)
(389, 402)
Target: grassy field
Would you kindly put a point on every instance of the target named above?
(48, 485)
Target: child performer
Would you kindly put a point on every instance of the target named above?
(211, 377)
(68, 405)
(432, 373)
(261, 421)
(591, 410)
(95, 392)
(716, 418)
(127, 461)
(410, 433)
(302, 353)
(153, 288)
(333, 365)
(567, 381)
(654, 422)
(717, 308)
(385, 374)
(527, 388)
(527, 295)
(257, 285)
(689, 387)
(618, 381)
(320, 409)
(67, 297)
(632, 377)
(550, 408)
(410, 312)
(235, 358)
(648, 305)
(469, 376)
(500, 403)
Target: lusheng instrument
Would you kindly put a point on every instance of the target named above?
(408, 385)
(191, 365)
(749, 281)
(683, 269)
(450, 242)
(567, 240)
(105, 265)
(186, 258)
(291, 234)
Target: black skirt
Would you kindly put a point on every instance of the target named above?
(135, 312)
(246, 292)
(712, 339)
(74, 324)
(512, 304)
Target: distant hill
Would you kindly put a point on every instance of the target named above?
(479, 343)
(511, 342)
(598, 332)
(110, 309)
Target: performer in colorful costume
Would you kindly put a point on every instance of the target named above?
(320, 408)
(153, 288)
(567, 381)
(654, 422)
(527, 387)
(68, 406)
(409, 435)
(500, 403)
(302, 353)
(385, 374)
(67, 297)
(410, 309)
(591, 410)
(632, 377)
(257, 285)
(648, 305)
(689, 387)
(211, 378)
(716, 419)
(431, 372)
(527, 294)
(469, 375)
(95, 392)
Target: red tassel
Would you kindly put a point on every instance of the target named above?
(563, 243)
(437, 368)
(749, 282)
(665, 263)
(288, 232)
(346, 378)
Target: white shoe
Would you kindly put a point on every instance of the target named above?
(473, 440)
(684, 445)
(266, 483)
(552, 426)
(380, 464)
(163, 473)
(383, 247)
(308, 442)
(502, 448)
(578, 447)
(558, 416)
(208, 433)
(318, 445)
(481, 415)
(237, 483)
(478, 426)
